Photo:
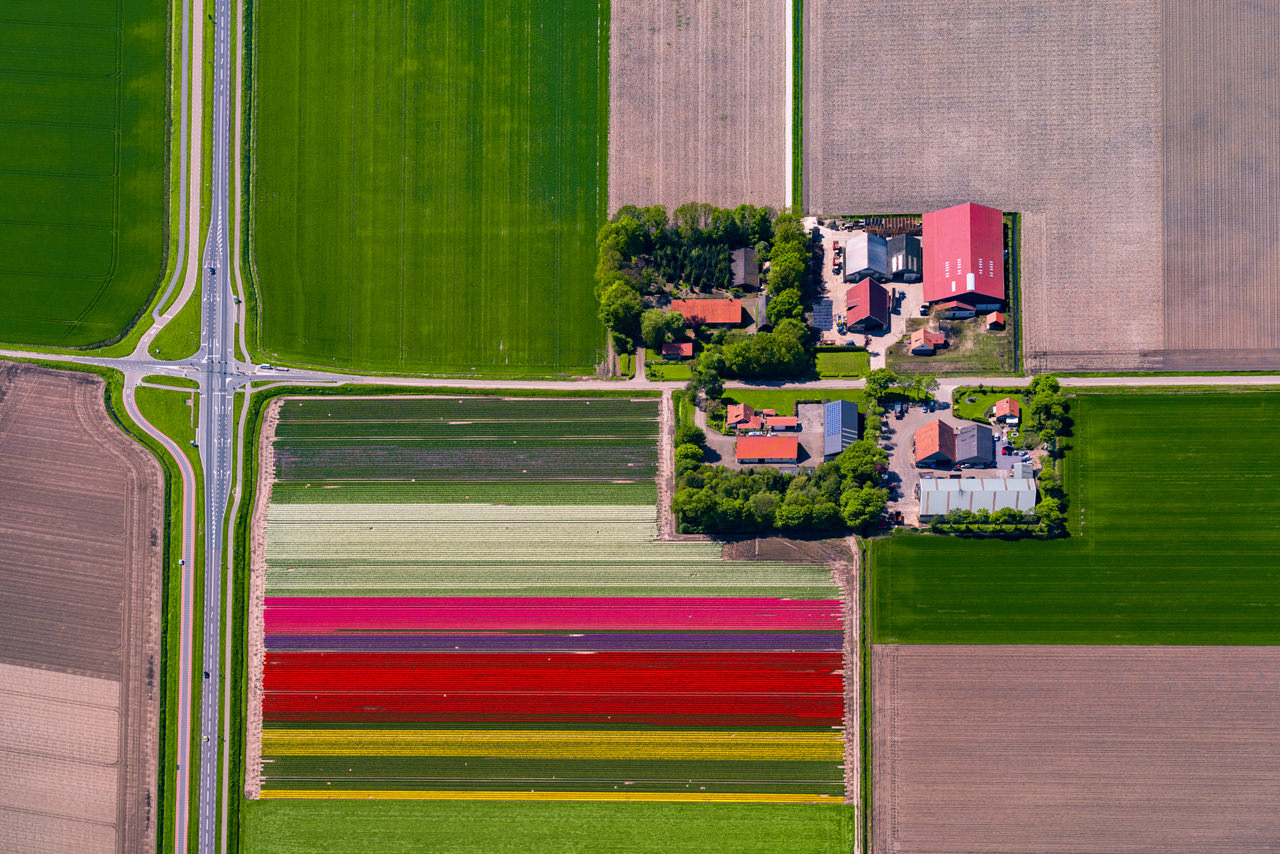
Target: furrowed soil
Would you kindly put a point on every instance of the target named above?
(1135, 138)
(698, 103)
(81, 522)
(1049, 749)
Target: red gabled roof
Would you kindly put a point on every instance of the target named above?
(934, 437)
(697, 311)
(683, 349)
(768, 448)
(1008, 406)
(995, 318)
(780, 421)
(867, 299)
(959, 243)
(739, 412)
(927, 337)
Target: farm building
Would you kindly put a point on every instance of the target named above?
(867, 307)
(925, 341)
(941, 495)
(939, 444)
(975, 446)
(866, 255)
(995, 320)
(782, 423)
(840, 426)
(906, 258)
(1008, 411)
(768, 449)
(677, 350)
(746, 269)
(964, 257)
(935, 444)
(762, 313)
(709, 312)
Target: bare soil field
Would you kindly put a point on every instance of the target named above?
(81, 522)
(1056, 749)
(698, 102)
(1134, 137)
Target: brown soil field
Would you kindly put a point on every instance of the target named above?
(1136, 139)
(1057, 749)
(698, 102)
(81, 521)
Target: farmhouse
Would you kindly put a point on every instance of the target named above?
(709, 312)
(867, 307)
(746, 270)
(1008, 411)
(925, 341)
(940, 495)
(840, 426)
(964, 258)
(741, 417)
(768, 449)
(906, 259)
(866, 255)
(673, 350)
(939, 444)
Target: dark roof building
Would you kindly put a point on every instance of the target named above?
(906, 258)
(964, 255)
(711, 312)
(840, 426)
(746, 270)
(867, 307)
(975, 446)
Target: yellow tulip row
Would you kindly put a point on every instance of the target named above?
(378, 794)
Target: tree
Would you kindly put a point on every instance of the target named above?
(863, 462)
(880, 381)
(760, 508)
(787, 267)
(687, 457)
(657, 327)
(690, 434)
(785, 306)
(791, 516)
(924, 384)
(1051, 516)
(620, 309)
(863, 506)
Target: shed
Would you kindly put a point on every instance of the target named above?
(783, 423)
(677, 350)
(768, 449)
(866, 255)
(840, 426)
(964, 255)
(942, 495)
(995, 320)
(906, 257)
(746, 270)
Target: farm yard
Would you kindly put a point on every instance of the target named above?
(1173, 543)
(1040, 749)
(698, 103)
(82, 150)
(546, 655)
(427, 182)
(80, 555)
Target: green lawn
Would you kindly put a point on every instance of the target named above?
(1177, 501)
(428, 180)
(983, 400)
(516, 827)
(659, 371)
(973, 350)
(180, 339)
(172, 411)
(851, 363)
(785, 401)
(82, 154)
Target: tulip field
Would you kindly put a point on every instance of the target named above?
(454, 650)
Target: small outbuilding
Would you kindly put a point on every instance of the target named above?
(995, 320)
(866, 255)
(867, 307)
(709, 312)
(925, 342)
(675, 350)
(1008, 411)
(746, 269)
(840, 426)
(906, 258)
(782, 423)
(781, 450)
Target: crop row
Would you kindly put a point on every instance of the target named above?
(570, 412)
(525, 493)
(486, 513)
(575, 642)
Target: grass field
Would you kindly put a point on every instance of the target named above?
(1176, 498)
(853, 363)
(477, 827)
(785, 401)
(668, 371)
(170, 410)
(82, 154)
(428, 179)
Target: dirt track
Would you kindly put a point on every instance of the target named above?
(81, 522)
(698, 102)
(1049, 750)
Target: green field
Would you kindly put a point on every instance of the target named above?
(82, 167)
(516, 827)
(784, 401)
(428, 179)
(1175, 498)
(851, 363)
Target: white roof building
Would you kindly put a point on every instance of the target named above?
(866, 255)
(940, 495)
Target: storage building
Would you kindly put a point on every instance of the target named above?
(939, 496)
(840, 426)
(866, 255)
(746, 270)
(709, 312)
(964, 256)
(906, 258)
(867, 307)
(780, 450)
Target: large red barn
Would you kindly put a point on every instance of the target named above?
(964, 256)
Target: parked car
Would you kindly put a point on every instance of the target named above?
(924, 310)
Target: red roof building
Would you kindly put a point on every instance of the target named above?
(964, 255)
(1008, 410)
(925, 341)
(709, 312)
(935, 444)
(677, 350)
(782, 422)
(768, 449)
(995, 320)
(867, 306)
(741, 417)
